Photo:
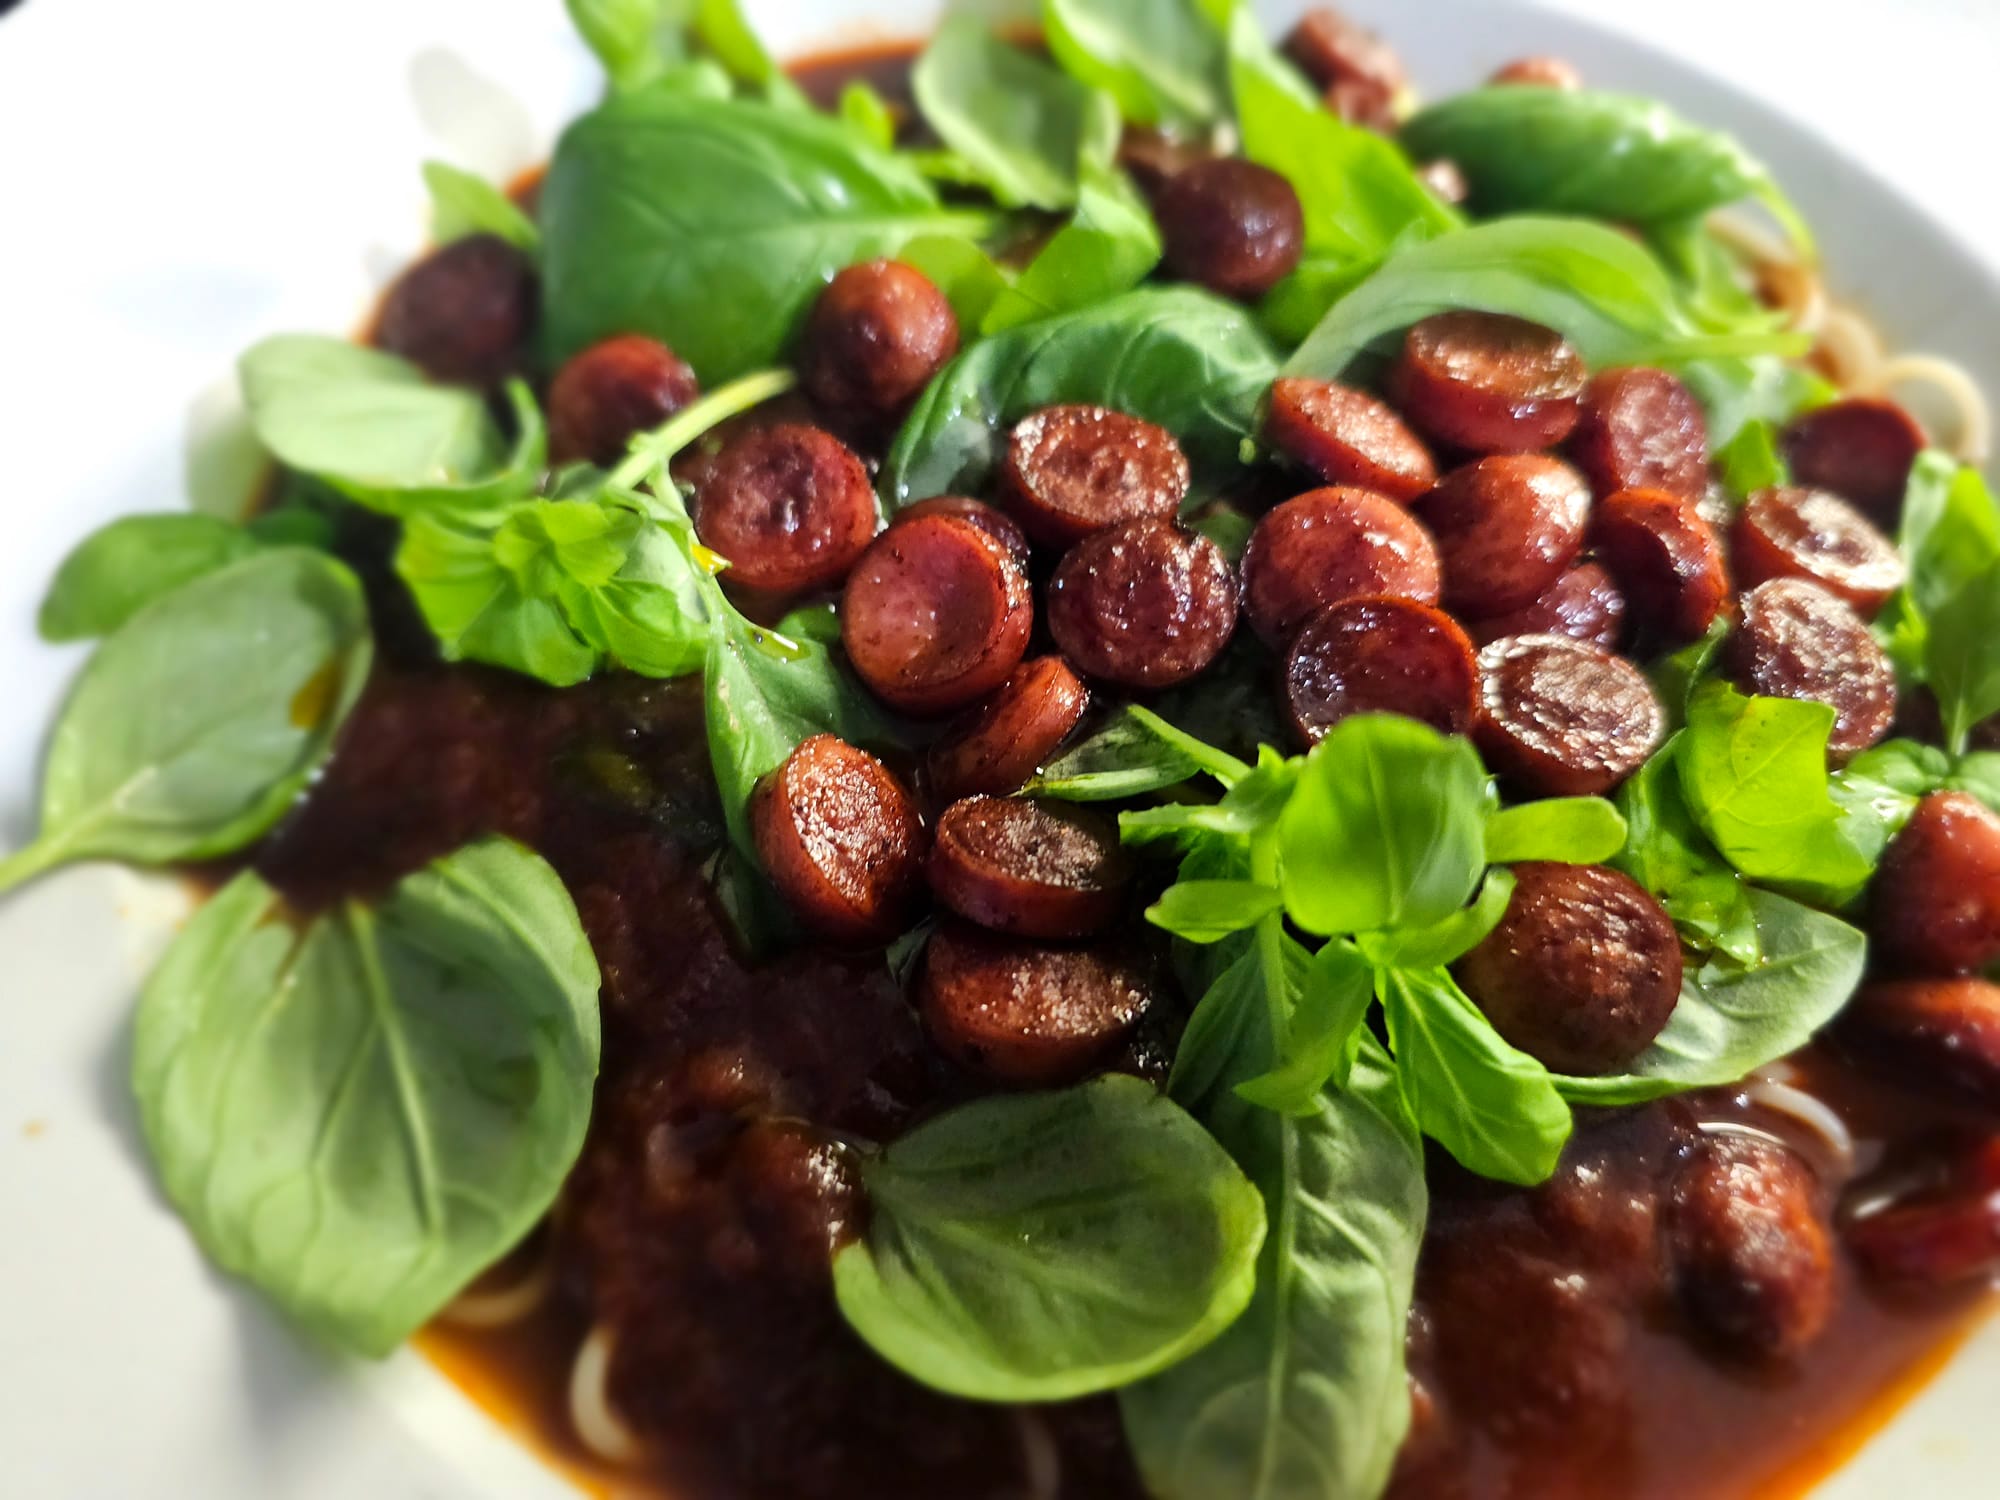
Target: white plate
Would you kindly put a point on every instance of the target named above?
(182, 178)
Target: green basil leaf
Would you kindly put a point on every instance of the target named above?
(122, 567)
(650, 616)
(728, 34)
(1176, 356)
(1619, 157)
(971, 280)
(1207, 911)
(634, 39)
(1386, 828)
(713, 224)
(1036, 1247)
(1108, 246)
(1733, 1018)
(463, 204)
(1223, 766)
(1570, 830)
(1490, 1105)
(1672, 858)
(1323, 1036)
(864, 109)
(1750, 461)
(1676, 675)
(1950, 530)
(478, 609)
(396, 1092)
(1123, 759)
(1447, 939)
(1881, 787)
(1979, 774)
(1962, 656)
(1163, 60)
(1017, 121)
(196, 725)
(1234, 1010)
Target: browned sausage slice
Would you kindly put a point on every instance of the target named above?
(1025, 1014)
(1583, 604)
(1934, 1233)
(1347, 437)
(464, 313)
(1230, 225)
(1036, 869)
(1934, 1032)
(1667, 560)
(1360, 75)
(1582, 970)
(1505, 529)
(1810, 534)
(997, 524)
(1748, 1248)
(612, 390)
(1540, 72)
(998, 745)
(1562, 718)
(1329, 545)
(1795, 640)
(790, 506)
(1862, 449)
(1934, 906)
(1641, 429)
(874, 339)
(935, 615)
(1488, 383)
(840, 840)
(1391, 656)
(1072, 470)
(1146, 605)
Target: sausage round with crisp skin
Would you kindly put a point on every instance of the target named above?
(1036, 869)
(1933, 1032)
(1934, 905)
(464, 313)
(1583, 604)
(614, 389)
(997, 745)
(1795, 640)
(1358, 72)
(1540, 72)
(1505, 529)
(936, 615)
(1328, 545)
(1563, 718)
(1932, 1232)
(1392, 656)
(1582, 971)
(1795, 533)
(1347, 437)
(996, 523)
(1146, 605)
(1488, 383)
(1862, 449)
(1668, 562)
(1230, 225)
(1641, 429)
(1025, 1014)
(1072, 470)
(1747, 1247)
(874, 339)
(790, 506)
(841, 841)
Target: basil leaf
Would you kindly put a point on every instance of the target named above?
(728, 34)
(122, 567)
(649, 616)
(1123, 759)
(1162, 60)
(1676, 675)
(1188, 361)
(1018, 122)
(463, 204)
(1323, 1035)
(969, 278)
(397, 1093)
(200, 720)
(1881, 787)
(1447, 939)
(1751, 461)
(634, 39)
(1733, 1018)
(1670, 856)
(1979, 774)
(1950, 535)
(864, 110)
(1569, 830)
(1036, 1247)
(714, 223)
(1490, 1105)
(1223, 766)
(1108, 246)
(1962, 656)
(1386, 828)
(1619, 157)
(1207, 911)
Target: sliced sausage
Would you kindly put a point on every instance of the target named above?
(1583, 604)
(1862, 449)
(1392, 656)
(1488, 383)
(1641, 429)
(800, 1194)
(464, 313)
(1329, 545)
(1934, 906)
(1505, 529)
(1582, 970)
(1036, 869)
(1935, 1032)
(1002, 742)
(1748, 1247)
(841, 841)
(1361, 76)
(613, 390)
(1072, 470)
(1563, 718)
(1024, 1014)
(936, 615)
(1943, 1232)
(1667, 560)
(1795, 640)
(790, 506)
(997, 524)
(1347, 437)
(1231, 226)
(1797, 533)
(1145, 605)
(1540, 72)
(873, 340)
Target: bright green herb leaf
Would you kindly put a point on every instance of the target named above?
(1017, 121)
(1571, 830)
(1676, 675)
(1447, 939)
(1750, 461)
(1123, 759)
(636, 40)
(1323, 1035)
(122, 567)
(463, 204)
(868, 112)
(1207, 911)
(1163, 60)
(1671, 857)
(971, 280)
(1962, 656)
(727, 33)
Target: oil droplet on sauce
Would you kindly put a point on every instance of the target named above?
(314, 699)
